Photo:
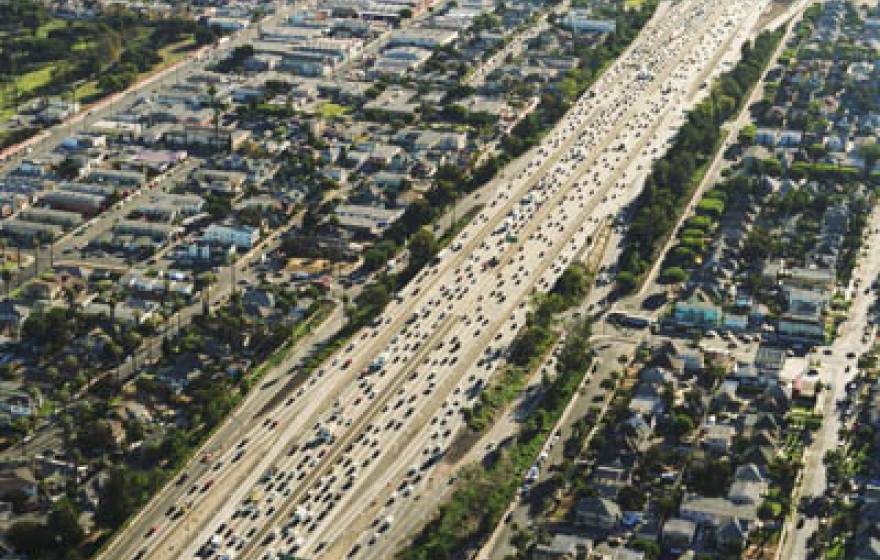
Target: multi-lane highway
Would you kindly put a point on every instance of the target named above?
(627, 172)
(333, 469)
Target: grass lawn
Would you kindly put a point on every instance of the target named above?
(49, 26)
(87, 92)
(634, 4)
(34, 79)
(332, 110)
(175, 51)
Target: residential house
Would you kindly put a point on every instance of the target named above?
(748, 487)
(732, 534)
(18, 403)
(718, 437)
(812, 278)
(596, 513)
(19, 479)
(790, 139)
(637, 433)
(866, 546)
(43, 290)
(12, 317)
(607, 480)
(647, 401)
(258, 302)
(563, 547)
(768, 137)
(805, 325)
(678, 534)
(715, 512)
(606, 552)
(769, 361)
(682, 358)
(697, 313)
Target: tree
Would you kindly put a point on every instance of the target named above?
(374, 295)
(28, 537)
(572, 283)
(711, 477)
(674, 274)
(68, 169)
(19, 500)
(626, 280)
(575, 354)
(376, 256)
(422, 248)
(95, 437)
(769, 510)
(216, 106)
(527, 345)
(650, 548)
(204, 35)
(682, 424)
(63, 525)
(871, 155)
(630, 498)
(116, 499)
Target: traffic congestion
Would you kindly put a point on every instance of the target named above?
(359, 442)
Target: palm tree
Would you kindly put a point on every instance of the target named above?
(112, 300)
(216, 108)
(6, 274)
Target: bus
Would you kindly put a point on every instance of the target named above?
(630, 320)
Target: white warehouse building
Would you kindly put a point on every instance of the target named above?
(242, 237)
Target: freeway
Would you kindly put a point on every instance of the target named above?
(369, 427)
(664, 113)
(733, 128)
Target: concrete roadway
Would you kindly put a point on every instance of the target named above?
(713, 174)
(337, 404)
(521, 515)
(361, 362)
(833, 372)
(520, 511)
(384, 514)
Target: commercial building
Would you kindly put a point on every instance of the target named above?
(580, 21)
(241, 237)
(24, 230)
(205, 137)
(367, 220)
(694, 313)
(156, 232)
(49, 216)
(425, 37)
(121, 178)
(82, 203)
